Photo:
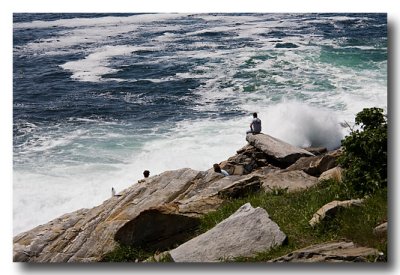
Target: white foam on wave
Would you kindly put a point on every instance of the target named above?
(97, 64)
(86, 31)
(98, 21)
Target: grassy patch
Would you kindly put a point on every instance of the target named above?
(124, 253)
(292, 211)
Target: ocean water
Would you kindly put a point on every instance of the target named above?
(98, 98)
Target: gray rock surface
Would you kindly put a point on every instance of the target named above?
(248, 231)
(381, 230)
(335, 252)
(334, 173)
(241, 187)
(280, 152)
(315, 166)
(331, 208)
(289, 180)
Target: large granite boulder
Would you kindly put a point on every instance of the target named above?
(87, 235)
(248, 231)
(279, 153)
(331, 252)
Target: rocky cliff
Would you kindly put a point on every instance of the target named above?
(164, 210)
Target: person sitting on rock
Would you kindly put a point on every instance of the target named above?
(146, 174)
(218, 169)
(255, 125)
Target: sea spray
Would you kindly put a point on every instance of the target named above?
(302, 125)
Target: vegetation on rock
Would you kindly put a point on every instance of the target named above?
(365, 153)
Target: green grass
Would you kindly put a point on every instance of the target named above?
(124, 253)
(292, 211)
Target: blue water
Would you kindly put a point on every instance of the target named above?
(98, 98)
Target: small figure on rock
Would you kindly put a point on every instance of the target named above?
(113, 193)
(218, 169)
(255, 125)
(146, 174)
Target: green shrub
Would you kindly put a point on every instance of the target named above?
(365, 153)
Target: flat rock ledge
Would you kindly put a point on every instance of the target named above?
(333, 252)
(281, 153)
(248, 231)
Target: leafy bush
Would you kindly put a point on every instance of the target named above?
(365, 153)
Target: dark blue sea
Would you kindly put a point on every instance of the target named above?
(98, 98)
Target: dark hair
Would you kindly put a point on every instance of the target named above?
(146, 173)
(217, 168)
(254, 115)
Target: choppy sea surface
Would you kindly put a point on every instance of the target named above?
(98, 98)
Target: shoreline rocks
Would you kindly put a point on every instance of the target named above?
(164, 210)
